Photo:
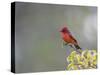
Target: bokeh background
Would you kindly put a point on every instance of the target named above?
(38, 44)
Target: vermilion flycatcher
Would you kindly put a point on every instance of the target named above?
(68, 38)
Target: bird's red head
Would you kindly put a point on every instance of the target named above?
(64, 30)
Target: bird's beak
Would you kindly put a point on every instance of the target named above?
(60, 31)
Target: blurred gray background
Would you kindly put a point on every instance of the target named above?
(37, 37)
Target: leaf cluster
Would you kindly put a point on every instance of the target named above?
(86, 59)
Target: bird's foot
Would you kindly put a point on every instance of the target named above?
(79, 51)
(71, 45)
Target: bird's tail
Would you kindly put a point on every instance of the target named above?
(77, 47)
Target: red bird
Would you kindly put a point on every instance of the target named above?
(68, 38)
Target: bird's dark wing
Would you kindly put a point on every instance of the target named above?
(73, 38)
